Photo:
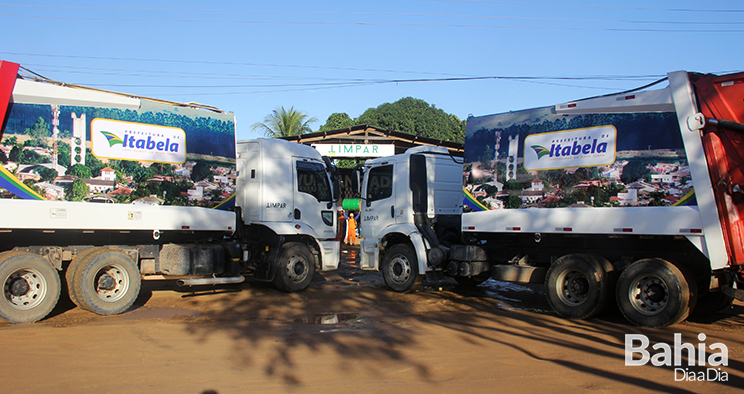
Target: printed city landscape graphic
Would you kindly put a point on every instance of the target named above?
(158, 155)
(539, 159)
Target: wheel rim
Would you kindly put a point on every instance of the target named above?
(648, 294)
(573, 287)
(25, 288)
(112, 283)
(297, 268)
(400, 269)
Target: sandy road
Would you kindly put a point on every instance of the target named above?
(348, 334)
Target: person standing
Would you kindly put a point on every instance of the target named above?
(351, 238)
(341, 235)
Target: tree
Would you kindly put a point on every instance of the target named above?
(633, 171)
(77, 191)
(513, 202)
(337, 121)
(15, 154)
(417, 117)
(46, 174)
(283, 123)
(12, 140)
(39, 132)
(79, 171)
(200, 171)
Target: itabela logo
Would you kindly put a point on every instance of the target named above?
(120, 140)
(540, 151)
(585, 147)
(112, 138)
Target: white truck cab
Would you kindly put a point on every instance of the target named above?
(410, 204)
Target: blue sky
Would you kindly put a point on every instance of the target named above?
(321, 57)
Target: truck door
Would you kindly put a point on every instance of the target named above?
(378, 204)
(313, 202)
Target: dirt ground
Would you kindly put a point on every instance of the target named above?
(349, 334)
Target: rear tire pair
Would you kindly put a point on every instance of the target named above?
(649, 292)
(99, 280)
(103, 281)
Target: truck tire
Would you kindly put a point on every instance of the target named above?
(106, 282)
(70, 272)
(655, 293)
(578, 286)
(295, 268)
(400, 269)
(31, 287)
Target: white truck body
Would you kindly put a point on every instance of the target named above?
(156, 206)
(553, 206)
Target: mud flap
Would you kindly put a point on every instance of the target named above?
(331, 254)
(731, 292)
(267, 269)
(369, 255)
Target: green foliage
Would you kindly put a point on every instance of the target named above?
(417, 117)
(513, 184)
(77, 191)
(283, 123)
(635, 170)
(657, 199)
(490, 190)
(30, 184)
(486, 159)
(63, 153)
(31, 157)
(15, 154)
(337, 121)
(12, 140)
(93, 163)
(39, 132)
(46, 174)
(513, 202)
(79, 171)
(200, 171)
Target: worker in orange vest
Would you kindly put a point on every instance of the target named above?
(351, 232)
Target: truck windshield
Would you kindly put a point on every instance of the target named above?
(312, 179)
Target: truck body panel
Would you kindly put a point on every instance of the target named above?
(109, 189)
(638, 191)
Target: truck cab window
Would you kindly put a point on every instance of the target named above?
(380, 184)
(313, 179)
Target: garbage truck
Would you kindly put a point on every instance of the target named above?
(634, 198)
(101, 190)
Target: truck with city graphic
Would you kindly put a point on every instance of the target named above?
(632, 198)
(100, 190)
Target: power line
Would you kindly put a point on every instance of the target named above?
(409, 24)
(222, 63)
(367, 13)
(695, 10)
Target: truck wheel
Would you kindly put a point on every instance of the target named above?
(655, 293)
(400, 269)
(295, 268)
(70, 272)
(578, 286)
(106, 282)
(31, 287)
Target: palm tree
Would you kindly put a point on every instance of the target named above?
(283, 123)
